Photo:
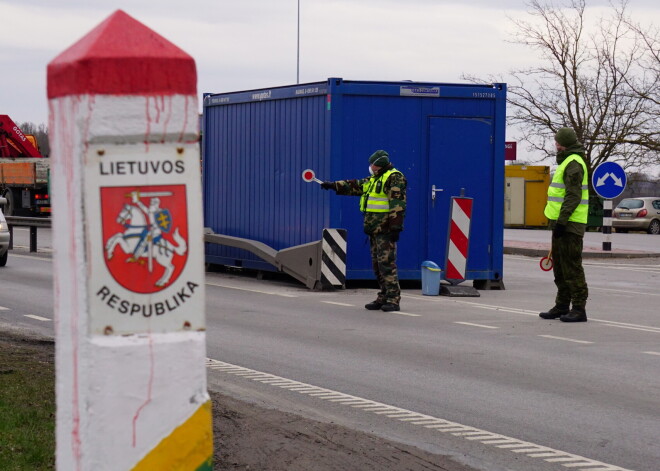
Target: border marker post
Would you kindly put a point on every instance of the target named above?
(127, 231)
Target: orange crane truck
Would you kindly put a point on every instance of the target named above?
(24, 172)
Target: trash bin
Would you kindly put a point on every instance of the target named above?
(430, 278)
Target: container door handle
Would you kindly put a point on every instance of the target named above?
(434, 190)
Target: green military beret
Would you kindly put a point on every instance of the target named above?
(380, 158)
(566, 137)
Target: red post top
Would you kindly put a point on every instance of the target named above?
(121, 56)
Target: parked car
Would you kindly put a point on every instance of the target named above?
(637, 214)
(4, 235)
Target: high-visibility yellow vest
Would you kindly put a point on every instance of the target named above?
(374, 199)
(557, 193)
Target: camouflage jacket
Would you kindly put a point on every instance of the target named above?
(395, 189)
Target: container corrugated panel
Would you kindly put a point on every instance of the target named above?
(254, 156)
(257, 143)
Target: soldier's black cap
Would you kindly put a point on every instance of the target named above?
(380, 158)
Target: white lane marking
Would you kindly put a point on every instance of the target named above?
(625, 324)
(528, 312)
(417, 419)
(624, 291)
(477, 325)
(653, 353)
(655, 331)
(2, 308)
(273, 293)
(33, 257)
(401, 313)
(338, 304)
(564, 338)
(39, 318)
(43, 250)
(490, 307)
(423, 297)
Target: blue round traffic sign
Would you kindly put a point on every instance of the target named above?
(609, 179)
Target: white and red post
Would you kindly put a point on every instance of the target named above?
(128, 262)
(459, 239)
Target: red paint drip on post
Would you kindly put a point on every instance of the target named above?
(121, 56)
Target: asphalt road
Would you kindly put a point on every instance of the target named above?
(482, 379)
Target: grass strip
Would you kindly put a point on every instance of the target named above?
(27, 404)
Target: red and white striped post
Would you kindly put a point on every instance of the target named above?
(458, 241)
(128, 238)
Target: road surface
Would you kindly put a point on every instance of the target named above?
(483, 380)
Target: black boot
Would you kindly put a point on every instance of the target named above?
(555, 312)
(374, 305)
(389, 307)
(577, 314)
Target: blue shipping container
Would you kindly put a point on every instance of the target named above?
(257, 143)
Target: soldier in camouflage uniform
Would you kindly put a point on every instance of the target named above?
(567, 210)
(383, 202)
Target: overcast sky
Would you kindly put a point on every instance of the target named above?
(245, 44)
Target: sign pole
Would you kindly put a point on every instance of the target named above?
(608, 180)
(607, 224)
(130, 343)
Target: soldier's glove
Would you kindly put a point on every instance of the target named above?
(394, 236)
(559, 230)
(328, 185)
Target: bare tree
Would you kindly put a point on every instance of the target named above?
(587, 81)
(647, 84)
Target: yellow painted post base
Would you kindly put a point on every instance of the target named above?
(188, 448)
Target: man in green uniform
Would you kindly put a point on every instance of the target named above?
(383, 202)
(567, 210)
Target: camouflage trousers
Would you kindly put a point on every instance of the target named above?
(383, 260)
(567, 268)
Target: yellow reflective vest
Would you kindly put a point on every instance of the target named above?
(374, 199)
(557, 193)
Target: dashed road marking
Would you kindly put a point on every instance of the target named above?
(273, 293)
(527, 312)
(2, 308)
(401, 313)
(477, 325)
(339, 304)
(653, 353)
(39, 318)
(564, 338)
(437, 424)
(490, 307)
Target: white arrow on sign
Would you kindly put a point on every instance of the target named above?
(601, 180)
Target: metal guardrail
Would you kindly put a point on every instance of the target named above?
(32, 223)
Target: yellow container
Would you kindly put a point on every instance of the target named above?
(525, 193)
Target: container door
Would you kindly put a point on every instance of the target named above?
(460, 158)
(514, 201)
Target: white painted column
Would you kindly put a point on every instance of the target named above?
(128, 261)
